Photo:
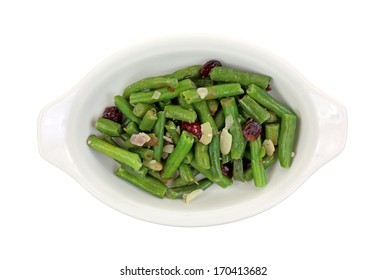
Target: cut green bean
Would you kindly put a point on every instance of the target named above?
(159, 132)
(191, 72)
(149, 83)
(272, 132)
(144, 153)
(141, 172)
(149, 120)
(230, 109)
(238, 170)
(256, 163)
(214, 153)
(189, 157)
(108, 127)
(177, 112)
(183, 103)
(231, 75)
(131, 128)
(179, 192)
(114, 152)
(161, 94)
(202, 157)
(254, 110)
(140, 109)
(267, 161)
(177, 156)
(223, 181)
(273, 117)
(147, 183)
(157, 175)
(170, 126)
(126, 108)
(286, 140)
(186, 173)
(204, 114)
(206, 82)
(226, 158)
(262, 97)
(212, 92)
(219, 119)
(213, 105)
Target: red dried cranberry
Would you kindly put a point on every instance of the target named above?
(193, 128)
(227, 169)
(112, 113)
(252, 130)
(207, 67)
(268, 88)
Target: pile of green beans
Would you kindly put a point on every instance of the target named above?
(171, 162)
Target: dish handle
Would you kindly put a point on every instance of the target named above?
(51, 133)
(333, 127)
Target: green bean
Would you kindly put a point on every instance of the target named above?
(179, 192)
(108, 127)
(179, 113)
(179, 181)
(186, 173)
(177, 156)
(148, 184)
(154, 141)
(149, 120)
(272, 132)
(223, 181)
(213, 105)
(141, 172)
(219, 119)
(114, 152)
(183, 103)
(201, 155)
(161, 94)
(159, 132)
(273, 117)
(286, 139)
(206, 82)
(256, 163)
(149, 83)
(204, 114)
(255, 111)
(170, 126)
(126, 109)
(189, 157)
(109, 139)
(262, 97)
(238, 142)
(214, 153)
(157, 175)
(267, 161)
(213, 92)
(238, 170)
(140, 109)
(144, 153)
(230, 75)
(131, 128)
(190, 72)
(226, 158)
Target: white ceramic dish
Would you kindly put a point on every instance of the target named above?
(65, 124)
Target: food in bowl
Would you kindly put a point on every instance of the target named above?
(177, 134)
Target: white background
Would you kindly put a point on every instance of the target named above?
(333, 227)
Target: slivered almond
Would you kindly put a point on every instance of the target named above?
(188, 197)
(206, 133)
(269, 147)
(203, 92)
(139, 139)
(228, 122)
(225, 142)
(168, 149)
(156, 94)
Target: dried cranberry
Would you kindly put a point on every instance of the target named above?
(252, 130)
(112, 113)
(194, 128)
(227, 169)
(207, 67)
(268, 88)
